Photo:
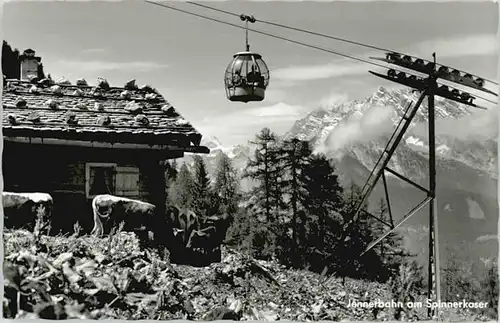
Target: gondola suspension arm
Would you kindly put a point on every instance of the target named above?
(247, 19)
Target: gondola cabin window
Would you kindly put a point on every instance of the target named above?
(100, 179)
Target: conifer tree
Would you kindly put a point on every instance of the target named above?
(374, 264)
(201, 191)
(265, 198)
(323, 205)
(263, 169)
(294, 156)
(181, 190)
(226, 186)
(11, 66)
(174, 168)
(345, 258)
(171, 171)
(460, 282)
(406, 285)
(390, 250)
(239, 234)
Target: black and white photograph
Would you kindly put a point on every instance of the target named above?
(250, 160)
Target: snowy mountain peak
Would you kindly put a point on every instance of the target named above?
(363, 127)
(379, 103)
(216, 146)
(212, 142)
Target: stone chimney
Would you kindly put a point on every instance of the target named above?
(29, 64)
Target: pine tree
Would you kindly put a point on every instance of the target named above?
(460, 282)
(449, 272)
(406, 286)
(323, 205)
(265, 199)
(226, 186)
(11, 66)
(171, 171)
(239, 235)
(390, 250)
(369, 265)
(181, 190)
(201, 191)
(174, 170)
(349, 246)
(294, 156)
(259, 169)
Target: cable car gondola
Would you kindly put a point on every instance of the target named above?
(247, 76)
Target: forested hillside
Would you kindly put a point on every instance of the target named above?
(295, 212)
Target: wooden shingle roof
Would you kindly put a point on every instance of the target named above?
(127, 115)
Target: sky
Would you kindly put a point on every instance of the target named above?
(185, 57)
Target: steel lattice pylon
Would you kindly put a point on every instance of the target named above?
(379, 171)
(428, 87)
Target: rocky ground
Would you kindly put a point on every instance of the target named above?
(90, 278)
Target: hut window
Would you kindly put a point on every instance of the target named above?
(100, 179)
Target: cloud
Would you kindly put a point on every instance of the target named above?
(93, 50)
(99, 66)
(280, 110)
(246, 122)
(472, 45)
(480, 125)
(332, 100)
(281, 83)
(375, 122)
(317, 72)
(272, 94)
(275, 95)
(459, 46)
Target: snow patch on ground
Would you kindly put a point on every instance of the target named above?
(487, 237)
(415, 141)
(475, 211)
(442, 149)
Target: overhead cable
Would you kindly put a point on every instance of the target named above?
(312, 33)
(286, 39)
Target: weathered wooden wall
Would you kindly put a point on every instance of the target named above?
(61, 172)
